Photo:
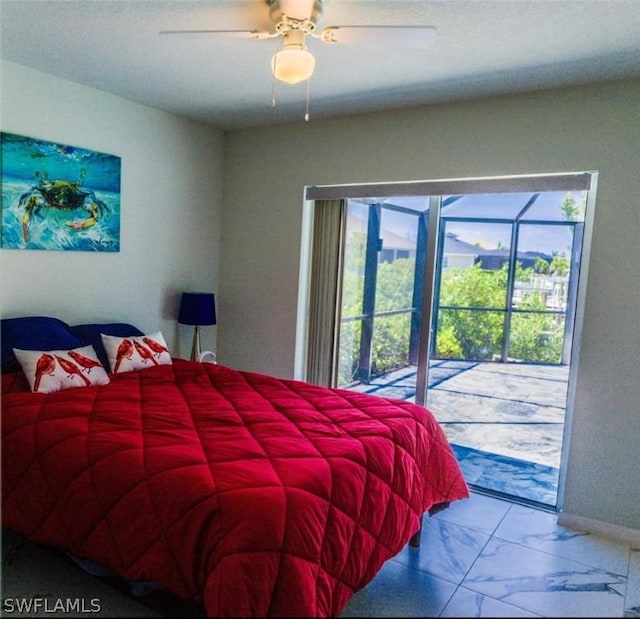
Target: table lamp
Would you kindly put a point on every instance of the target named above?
(197, 309)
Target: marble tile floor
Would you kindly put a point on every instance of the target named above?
(486, 557)
(504, 421)
(482, 557)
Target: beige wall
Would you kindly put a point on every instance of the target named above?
(171, 194)
(587, 128)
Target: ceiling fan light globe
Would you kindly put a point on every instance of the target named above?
(293, 65)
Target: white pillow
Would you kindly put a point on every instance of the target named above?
(130, 354)
(54, 370)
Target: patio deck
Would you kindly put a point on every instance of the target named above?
(504, 421)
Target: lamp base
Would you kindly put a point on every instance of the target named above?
(195, 348)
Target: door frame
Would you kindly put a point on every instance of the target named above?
(434, 189)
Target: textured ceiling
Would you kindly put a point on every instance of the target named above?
(482, 47)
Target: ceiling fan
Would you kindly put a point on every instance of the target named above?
(294, 20)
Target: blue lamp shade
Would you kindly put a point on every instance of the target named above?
(197, 308)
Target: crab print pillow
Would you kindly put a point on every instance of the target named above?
(130, 354)
(55, 370)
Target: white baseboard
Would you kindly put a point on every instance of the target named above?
(612, 531)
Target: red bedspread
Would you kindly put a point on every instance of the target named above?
(257, 496)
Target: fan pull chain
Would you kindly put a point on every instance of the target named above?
(273, 83)
(273, 90)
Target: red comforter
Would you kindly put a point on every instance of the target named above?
(255, 495)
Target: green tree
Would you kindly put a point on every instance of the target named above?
(352, 289)
(478, 334)
(541, 265)
(394, 291)
(471, 317)
(572, 210)
(559, 265)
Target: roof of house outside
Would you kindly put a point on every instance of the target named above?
(453, 245)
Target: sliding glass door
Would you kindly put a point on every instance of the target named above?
(466, 302)
(503, 323)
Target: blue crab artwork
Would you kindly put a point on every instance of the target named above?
(59, 197)
(60, 194)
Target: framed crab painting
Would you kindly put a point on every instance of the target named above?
(58, 197)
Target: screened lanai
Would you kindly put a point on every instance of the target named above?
(502, 299)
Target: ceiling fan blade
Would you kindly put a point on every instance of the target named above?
(402, 36)
(253, 34)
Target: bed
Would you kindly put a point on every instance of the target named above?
(251, 494)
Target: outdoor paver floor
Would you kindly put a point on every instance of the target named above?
(505, 421)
